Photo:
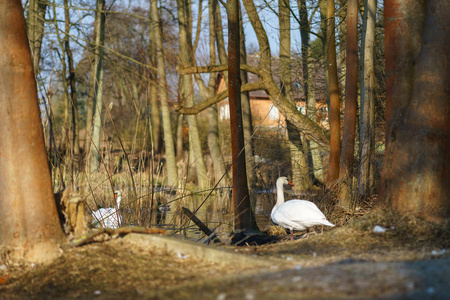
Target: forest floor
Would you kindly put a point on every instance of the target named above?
(349, 262)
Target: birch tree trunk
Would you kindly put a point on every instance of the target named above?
(172, 173)
(366, 179)
(30, 227)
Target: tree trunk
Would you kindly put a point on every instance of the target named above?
(351, 95)
(334, 113)
(36, 21)
(98, 87)
(403, 38)
(244, 218)
(172, 173)
(309, 89)
(246, 114)
(30, 225)
(342, 46)
(186, 91)
(416, 169)
(179, 145)
(213, 121)
(323, 37)
(366, 179)
(155, 119)
(73, 93)
(299, 161)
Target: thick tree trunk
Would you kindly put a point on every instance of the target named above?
(334, 113)
(366, 179)
(94, 155)
(351, 95)
(30, 225)
(403, 38)
(244, 218)
(172, 173)
(416, 169)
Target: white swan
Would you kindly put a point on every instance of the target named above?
(295, 214)
(109, 217)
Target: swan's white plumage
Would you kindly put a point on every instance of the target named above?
(109, 217)
(296, 214)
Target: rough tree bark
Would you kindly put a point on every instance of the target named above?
(172, 173)
(30, 225)
(416, 170)
(351, 97)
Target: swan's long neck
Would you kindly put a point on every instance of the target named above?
(280, 194)
(118, 199)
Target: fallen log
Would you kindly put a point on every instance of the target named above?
(90, 237)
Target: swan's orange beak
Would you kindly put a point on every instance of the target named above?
(290, 183)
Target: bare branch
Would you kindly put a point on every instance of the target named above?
(215, 68)
(254, 86)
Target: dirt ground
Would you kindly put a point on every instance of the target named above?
(350, 262)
